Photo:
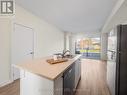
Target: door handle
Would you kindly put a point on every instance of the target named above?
(70, 71)
(31, 52)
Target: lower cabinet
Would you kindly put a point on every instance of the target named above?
(32, 84)
(58, 86)
(69, 81)
(111, 76)
(71, 78)
(77, 72)
(65, 84)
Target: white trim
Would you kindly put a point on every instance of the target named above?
(13, 29)
(5, 83)
(12, 72)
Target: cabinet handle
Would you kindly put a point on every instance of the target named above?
(70, 71)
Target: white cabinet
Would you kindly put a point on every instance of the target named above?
(77, 71)
(58, 86)
(111, 76)
(32, 84)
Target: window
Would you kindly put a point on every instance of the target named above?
(88, 47)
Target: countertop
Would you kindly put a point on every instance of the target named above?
(44, 69)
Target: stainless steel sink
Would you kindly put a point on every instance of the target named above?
(70, 56)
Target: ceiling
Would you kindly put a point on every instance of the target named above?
(71, 15)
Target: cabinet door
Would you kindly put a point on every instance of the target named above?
(58, 86)
(111, 76)
(77, 71)
(69, 83)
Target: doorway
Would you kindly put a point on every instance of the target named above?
(22, 47)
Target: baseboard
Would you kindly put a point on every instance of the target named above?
(5, 83)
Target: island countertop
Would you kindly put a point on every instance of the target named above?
(42, 68)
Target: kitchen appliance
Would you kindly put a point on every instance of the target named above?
(69, 81)
(117, 61)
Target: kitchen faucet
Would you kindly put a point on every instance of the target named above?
(64, 52)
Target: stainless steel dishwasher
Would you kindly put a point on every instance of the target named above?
(69, 81)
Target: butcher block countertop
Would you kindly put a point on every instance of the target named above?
(42, 68)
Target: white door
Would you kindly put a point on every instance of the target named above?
(22, 46)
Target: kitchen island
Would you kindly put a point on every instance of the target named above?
(37, 77)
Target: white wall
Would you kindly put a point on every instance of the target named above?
(48, 38)
(87, 34)
(5, 26)
(104, 43)
(68, 36)
(118, 16)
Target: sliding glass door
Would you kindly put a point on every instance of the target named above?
(88, 47)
